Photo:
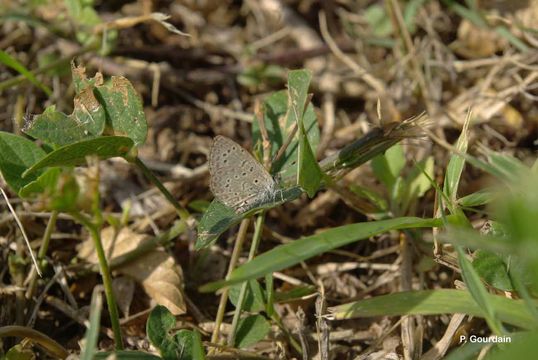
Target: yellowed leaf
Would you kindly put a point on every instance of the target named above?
(157, 271)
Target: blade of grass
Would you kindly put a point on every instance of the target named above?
(11, 62)
(92, 333)
(478, 292)
(433, 302)
(293, 253)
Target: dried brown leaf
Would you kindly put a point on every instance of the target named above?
(157, 271)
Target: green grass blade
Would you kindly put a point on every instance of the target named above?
(293, 253)
(434, 302)
(478, 291)
(11, 62)
(92, 334)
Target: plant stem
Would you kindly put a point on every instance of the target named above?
(46, 342)
(42, 252)
(183, 213)
(244, 286)
(107, 279)
(241, 235)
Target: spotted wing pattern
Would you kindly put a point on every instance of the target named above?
(237, 179)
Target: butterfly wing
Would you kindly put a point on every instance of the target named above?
(237, 179)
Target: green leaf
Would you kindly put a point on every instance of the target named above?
(378, 20)
(17, 154)
(11, 62)
(455, 165)
(523, 346)
(478, 291)
(434, 302)
(160, 322)
(18, 352)
(479, 198)
(44, 182)
(417, 182)
(92, 334)
(492, 269)
(219, 218)
(309, 173)
(295, 293)
(254, 298)
(57, 129)
(75, 154)
(279, 127)
(387, 167)
(184, 345)
(216, 220)
(509, 168)
(124, 110)
(250, 330)
(287, 255)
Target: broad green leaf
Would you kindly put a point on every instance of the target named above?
(254, 298)
(217, 219)
(44, 182)
(124, 110)
(184, 345)
(17, 154)
(11, 62)
(492, 269)
(387, 167)
(250, 330)
(75, 154)
(159, 324)
(478, 291)
(287, 255)
(55, 190)
(309, 174)
(434, 302)
(81, 80)
(58, 129)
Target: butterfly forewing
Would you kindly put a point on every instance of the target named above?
(237, 179)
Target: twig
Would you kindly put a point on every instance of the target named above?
(22, 231)
(368, 78)
(284, 146)
(266, 142)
